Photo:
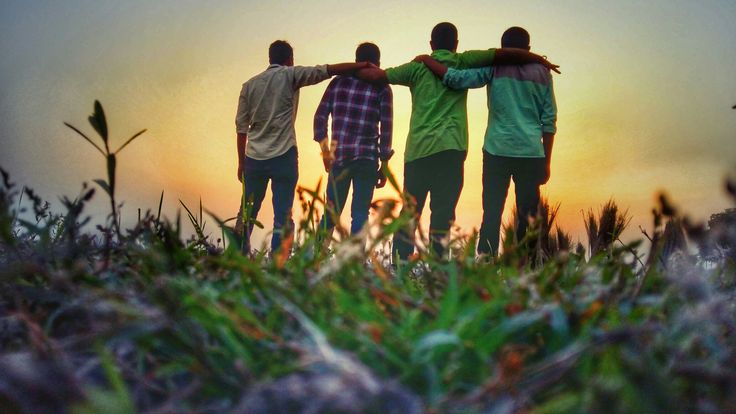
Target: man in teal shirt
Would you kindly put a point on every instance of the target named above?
(437, 143)
(522, 116)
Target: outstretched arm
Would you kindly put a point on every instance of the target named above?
(372, 74)
(512, 56)
(346, 68)
(311, 75)
(454, 78)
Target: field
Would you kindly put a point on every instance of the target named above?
(140, 320)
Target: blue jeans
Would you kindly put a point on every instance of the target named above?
(363, 174)
(283, 172)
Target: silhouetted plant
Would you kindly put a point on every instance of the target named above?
(540, 242)
(605, 228)
(99, 123)
(721, 236)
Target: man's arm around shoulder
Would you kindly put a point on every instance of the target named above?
(398, 75)
(347, 68)
(373, 75)
(512, 56)
(311, 75)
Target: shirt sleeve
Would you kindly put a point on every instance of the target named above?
(309, 75)
(476, 58)
(467, 78)
(323, 113)
(549, 110)
(385, 152)
(402, 75)
(242, 117)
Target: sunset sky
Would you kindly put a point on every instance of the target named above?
(644, 98)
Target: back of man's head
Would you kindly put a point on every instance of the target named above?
(515, 37)
(444, 36)
(280, 52)
(368, 52)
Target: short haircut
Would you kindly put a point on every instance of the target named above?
(279, 52)
(368, 52)
(515, 37)
(444, 36)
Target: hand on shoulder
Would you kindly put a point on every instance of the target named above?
(422, 58)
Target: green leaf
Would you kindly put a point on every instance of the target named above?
(118, 396)
(99, 122)
(234, 240)
(391, 178)
(160, 204)
(97, 147)
(490, 342)
(103, 184)
(426, 346)
(195, 223)
(565, 403)
(139, 133)
(450, 300)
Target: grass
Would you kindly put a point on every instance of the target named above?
(141, 320)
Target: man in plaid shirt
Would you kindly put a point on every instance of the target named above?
(357, 108)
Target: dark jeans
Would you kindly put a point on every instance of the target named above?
(283, 172)
(527, 174)
(439, 175)
(362, 174)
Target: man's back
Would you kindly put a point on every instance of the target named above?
(357, 108)
(268, 105)
(439, 117)
(521, 107)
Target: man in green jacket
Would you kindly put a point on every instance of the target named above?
(522, 116)
(437, 144)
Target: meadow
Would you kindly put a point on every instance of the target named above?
(147, 320)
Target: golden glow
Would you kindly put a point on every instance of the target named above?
(635, 116)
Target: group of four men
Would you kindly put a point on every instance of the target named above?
(518, 140)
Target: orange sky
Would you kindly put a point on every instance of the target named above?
(644, 99)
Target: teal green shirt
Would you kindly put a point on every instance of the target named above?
(521, 106)
(439, 118)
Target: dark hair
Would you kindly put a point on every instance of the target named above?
(279, 52)
(368, 52)
(444, 36)
(515, 37)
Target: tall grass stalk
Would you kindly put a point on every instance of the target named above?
(98, 120)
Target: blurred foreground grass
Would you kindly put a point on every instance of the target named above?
(140, 320)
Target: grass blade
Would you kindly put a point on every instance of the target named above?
(139, 133)
(86, 137)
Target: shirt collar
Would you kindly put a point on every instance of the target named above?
(274, 65)
(441, 52)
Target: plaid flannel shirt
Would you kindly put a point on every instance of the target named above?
(357, 108)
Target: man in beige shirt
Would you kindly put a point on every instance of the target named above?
(266, 138)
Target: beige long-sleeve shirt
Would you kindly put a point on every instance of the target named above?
(267, 108)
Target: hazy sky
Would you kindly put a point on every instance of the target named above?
(644, 99)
